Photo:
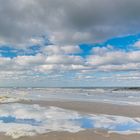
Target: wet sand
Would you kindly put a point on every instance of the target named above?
(85, 107)
(92, 107)
(83, 135)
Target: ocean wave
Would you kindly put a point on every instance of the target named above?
(105, 95)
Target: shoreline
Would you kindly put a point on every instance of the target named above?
(84, 107)
(92, 107)
(82, 135)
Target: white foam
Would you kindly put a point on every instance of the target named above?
(121, 97)
(8, 99)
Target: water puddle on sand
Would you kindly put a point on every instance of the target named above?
(17, 120)
(11, 119)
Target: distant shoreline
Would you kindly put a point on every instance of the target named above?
(123, 88)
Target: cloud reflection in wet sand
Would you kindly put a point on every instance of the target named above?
(17, 120)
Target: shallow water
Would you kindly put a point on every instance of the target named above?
(18, 120)
(107, 95)
(12, 119)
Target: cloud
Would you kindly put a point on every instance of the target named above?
(29, 60)
(61, 59)
(102, 50)
(115, 61)
(137, 44)
(67, 22)
(55, 49)
(27, 65)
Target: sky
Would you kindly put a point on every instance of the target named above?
(69, 43)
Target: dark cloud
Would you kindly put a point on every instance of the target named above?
(68, 22)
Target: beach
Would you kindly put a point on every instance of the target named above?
(69, 70)
(86, 107)
(95, 108)
(92, 107)
(105, 114)
(85, 135)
